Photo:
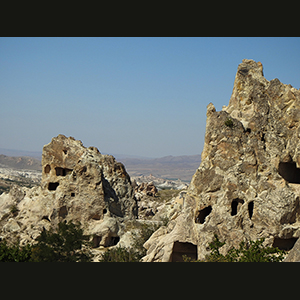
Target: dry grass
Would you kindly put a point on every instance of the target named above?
(166, 195)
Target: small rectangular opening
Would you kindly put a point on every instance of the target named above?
(236, 205)
(52, 186)
(62, 171)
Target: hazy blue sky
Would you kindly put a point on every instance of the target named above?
(139, 96)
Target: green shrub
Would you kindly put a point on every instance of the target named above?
(14, 253)
(145, 231)
(64, 245)
(229, 123)
(120, 254)
(134, 254)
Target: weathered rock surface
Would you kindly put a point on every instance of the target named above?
(78, 184)
(145, 188)
(248, 183)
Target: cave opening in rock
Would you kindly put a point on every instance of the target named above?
(250, 209)
(47, 169)
(63, 212)
(96, 241)
(284, 244)
(46, 218)
(248, 130)
(202, 214)
(114, 240)
(289, 172)
(236, 205)
(62, 171)
(110, 241)
(52, 186)
(180, 249)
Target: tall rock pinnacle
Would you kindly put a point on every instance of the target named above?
(248, 183)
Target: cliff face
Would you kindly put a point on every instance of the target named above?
(248, 183)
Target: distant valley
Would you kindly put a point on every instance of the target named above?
(168, 167)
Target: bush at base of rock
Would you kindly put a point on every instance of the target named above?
(120, 254)
(14, 253)
(64, 245)
(252, 251)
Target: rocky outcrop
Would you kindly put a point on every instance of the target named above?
(78, 184)
(83, 177)
(145, 188)
(248, 183)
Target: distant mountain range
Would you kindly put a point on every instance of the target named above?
(13, 152)
(20, 162)
(168, 167)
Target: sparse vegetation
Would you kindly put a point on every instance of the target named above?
(64, 245)
(6, 183)
(229, 123)
(14, 253)
(252, 251)
(121, 254)
(166, 195)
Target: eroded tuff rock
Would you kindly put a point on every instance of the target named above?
(78, 184)
(248, 183)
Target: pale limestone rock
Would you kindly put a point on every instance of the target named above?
(105, 232)
(78, 184)
(11, 226)
(248, 183)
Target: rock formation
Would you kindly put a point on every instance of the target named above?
(248, 183)
(83, 177)
(78, 184)
(145, 188)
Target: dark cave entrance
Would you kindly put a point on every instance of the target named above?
(114, 240)
(180, 249)
(289, 172)
(236, 205)
(62, 171)
(284, 244)
(250, 209)
(202, 214)
(110, 241)
(52, 186)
